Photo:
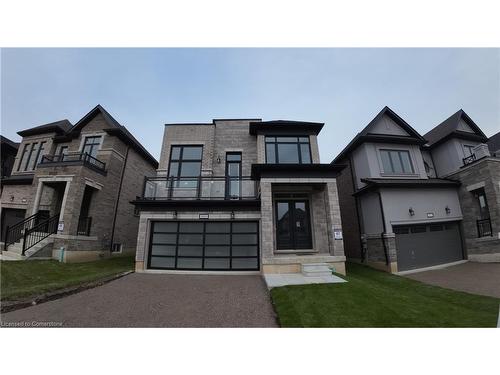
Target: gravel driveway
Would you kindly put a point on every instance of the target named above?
(477, 278)
(160, 300)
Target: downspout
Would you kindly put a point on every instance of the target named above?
(384, 227)
(118, 200)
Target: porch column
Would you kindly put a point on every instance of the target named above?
(266, 222)
(63, 204)
(333, 218)
(36, 201)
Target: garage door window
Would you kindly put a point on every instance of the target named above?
(204, 245)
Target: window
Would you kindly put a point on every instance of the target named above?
(288, 150)
(63, 150)
(31, 156)
(484, 212)
(92, 145)
(40, 153)
(396, 161)
(117, 248)
(24, 156)
(468, 150)
(185, 161)
(233, 175)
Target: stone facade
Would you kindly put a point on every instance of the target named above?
(380, 252)
(60, 188)
(483, 174)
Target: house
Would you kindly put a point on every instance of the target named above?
(70, 190)
(240, 195)
(462, 152)
(398, 214)
(8, 151)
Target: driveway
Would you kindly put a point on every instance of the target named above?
(477, 278)
(160, 300)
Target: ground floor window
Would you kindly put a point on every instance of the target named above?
(210, 245)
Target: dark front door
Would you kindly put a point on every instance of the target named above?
(10, 217)
(293, 227)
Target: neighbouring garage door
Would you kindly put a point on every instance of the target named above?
(210, 245)
(427, 245)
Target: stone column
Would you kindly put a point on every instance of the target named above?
(267, 226)
(38, 195)
(333, 218)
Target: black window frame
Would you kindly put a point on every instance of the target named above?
(298, 143)
(21, 160)
(92, 145)
(178, 179)
(393, 172)
(470, 148)
(483, 213)
(229, 178)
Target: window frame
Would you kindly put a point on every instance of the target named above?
(470, 148)
(180, 160)
(23, 153)
(99, 145)
(298, 143)
(399, 151)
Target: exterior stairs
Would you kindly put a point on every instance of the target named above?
(42, 249)
(316, 270)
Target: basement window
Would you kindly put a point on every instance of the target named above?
(117, 248)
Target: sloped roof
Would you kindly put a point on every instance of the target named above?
(59, 127)
(449, 127)
(366, 136)
(7, 142)
(285, 126)
(494, 142)
(373, 183)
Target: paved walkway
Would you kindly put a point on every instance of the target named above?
(477, 278)
(160, 300)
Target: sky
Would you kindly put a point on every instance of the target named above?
(344, 88)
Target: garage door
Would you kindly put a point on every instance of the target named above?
(427, 245)
(211, 245)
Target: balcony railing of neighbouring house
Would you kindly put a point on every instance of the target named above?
(484, 228)
(82, 158)
(84, 224)
(469, 159)
(203, 188)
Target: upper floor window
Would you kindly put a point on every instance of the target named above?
(468, 150)
(185, 161)
(91, 145)
(31, 156)
(288, 150)
(396, 162)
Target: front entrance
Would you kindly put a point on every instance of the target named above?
(293, 225)
(11, 216)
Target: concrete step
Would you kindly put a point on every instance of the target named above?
(17, 248)
(8, 255)
(316, 270)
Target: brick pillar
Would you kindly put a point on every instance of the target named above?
(336, 247)
(267, 226)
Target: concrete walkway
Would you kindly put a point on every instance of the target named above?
(476, 278)
(160, 300)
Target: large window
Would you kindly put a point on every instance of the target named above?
(92, 145)
(31, 156)
(396, 162)
(288, 150)
(185, 161)
(468, 150)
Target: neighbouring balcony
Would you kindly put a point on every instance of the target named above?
(74, 159)
(200, 188)
(469, 159)
(484, 228)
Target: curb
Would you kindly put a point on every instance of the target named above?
(8, 306)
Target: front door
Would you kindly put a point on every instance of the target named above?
(293, 226)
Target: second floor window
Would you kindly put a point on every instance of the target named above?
(468, 150)
(92, 145)
(31, 156)
(288, 150)
(185, 161)
(396, 162)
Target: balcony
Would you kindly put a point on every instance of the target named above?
(73, 159)
(200, 188)
(484, 228)
(469, 159)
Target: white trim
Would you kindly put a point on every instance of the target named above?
(437, 267)
(476, 186)
(91, 134)
(93, 184)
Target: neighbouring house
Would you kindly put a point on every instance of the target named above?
(8, 150)
(462, 152)
(69, 193)
(240, 195)
(398, 214)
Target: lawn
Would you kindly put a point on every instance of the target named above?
(34, 277)
(373, 298)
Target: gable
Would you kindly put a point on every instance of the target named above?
(464, 127)
(386, 125)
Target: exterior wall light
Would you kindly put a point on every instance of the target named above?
(218, 159)
(411, 212)
(448, 210)
(175, 214)
(12, 198)
(232, 215)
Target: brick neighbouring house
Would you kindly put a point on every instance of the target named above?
(70, 190)
(240, 195)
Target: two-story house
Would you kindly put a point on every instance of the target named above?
(461, 151)
(70, 190)
(397, 213)
(240, 195)
(8, 151)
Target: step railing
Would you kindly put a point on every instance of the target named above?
(15, 232)
(40, 232)
(484, 228)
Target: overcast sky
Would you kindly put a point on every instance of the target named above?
(344, 88)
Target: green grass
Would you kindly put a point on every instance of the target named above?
(373, 298)
(34, 277)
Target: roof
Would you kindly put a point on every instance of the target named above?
(285, 126)
(296, 170)
(449, 128)
(494, 142)
(24, 179)
(7, 142)
(59, 127)
(373, 183)
(366, 136)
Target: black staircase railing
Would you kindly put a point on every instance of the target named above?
(39, 232)
(484, 228)
(84, 224)
(15, 232)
